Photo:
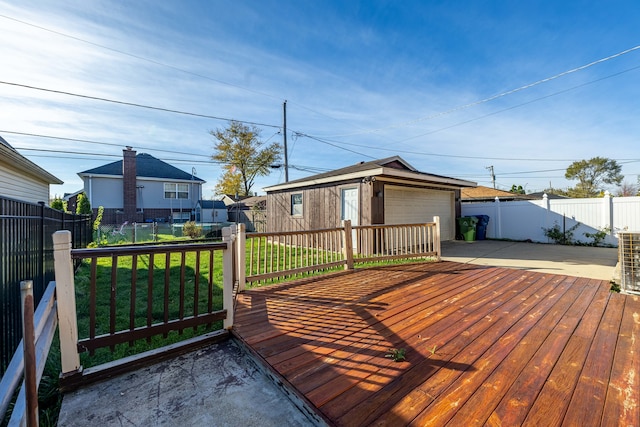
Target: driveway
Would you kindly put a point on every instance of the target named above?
(580, 261)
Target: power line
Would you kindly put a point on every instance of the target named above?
(173, 67)
(479, 118)
(132, 104)
(494, 97)
(96, 142)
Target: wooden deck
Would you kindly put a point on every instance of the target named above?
(512, 347)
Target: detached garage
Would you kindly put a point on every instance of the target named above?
(385, 191)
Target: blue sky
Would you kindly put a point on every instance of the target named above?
(362, 80)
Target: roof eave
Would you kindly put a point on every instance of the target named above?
(28, 166)
(377, 172)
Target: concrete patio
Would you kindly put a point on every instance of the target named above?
(579, 261)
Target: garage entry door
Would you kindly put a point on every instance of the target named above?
(405, 205)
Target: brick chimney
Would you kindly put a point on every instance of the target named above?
(129, 184)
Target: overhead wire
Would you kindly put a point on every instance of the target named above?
(133, 104)
(494, 97)
(173, 67)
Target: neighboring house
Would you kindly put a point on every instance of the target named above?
(251, 211)
(21, 179)
(141, 188)
(211, 211)
(385, 191)
(72, 200)
(488, 194)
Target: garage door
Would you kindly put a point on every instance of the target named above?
(404, 205)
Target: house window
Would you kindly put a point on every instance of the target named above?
(176, 191)
(296, 204)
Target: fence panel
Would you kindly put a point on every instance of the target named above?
(26, 253)
(522, 220)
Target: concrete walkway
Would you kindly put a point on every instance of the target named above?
(217, 385)
(581, 261)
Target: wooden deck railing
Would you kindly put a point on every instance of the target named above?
(287, 254)
(137, 292)
(39, 327)
(150, 290)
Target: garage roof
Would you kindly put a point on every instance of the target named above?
(388, 168)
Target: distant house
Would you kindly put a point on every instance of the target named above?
(141, 188)
(488, 194)
(251, 211)
(385, 191)
(21, 179)
(211, 211)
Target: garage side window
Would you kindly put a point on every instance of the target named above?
(296, 204)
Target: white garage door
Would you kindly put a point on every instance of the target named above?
(404, 205)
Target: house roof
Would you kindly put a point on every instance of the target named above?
(212, 204)
(248, 202)
(481, 193)
(391, 167)
(11, 156)
(147, 166)
(550, 196)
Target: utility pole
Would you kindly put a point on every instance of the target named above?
(284, 127)
(493, 176)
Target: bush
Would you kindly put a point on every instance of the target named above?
(560, 237)
(192, 230)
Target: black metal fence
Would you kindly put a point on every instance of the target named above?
(26, 253)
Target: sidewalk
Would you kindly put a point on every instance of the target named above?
(581, 261)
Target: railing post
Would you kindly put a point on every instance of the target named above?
(436, 238)
(347, 245)
(29, 347)
(227, 277)
(241, 255)
(66, 303)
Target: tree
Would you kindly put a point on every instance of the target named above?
(592, 175)
(83, 206)
(59, 204)
(627, 189)
(517, 189)
(244, 157)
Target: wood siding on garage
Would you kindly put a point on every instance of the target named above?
(406, 205)
(321, 207)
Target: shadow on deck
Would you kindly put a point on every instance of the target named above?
(483, 345)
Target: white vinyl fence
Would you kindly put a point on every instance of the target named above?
(527, 220)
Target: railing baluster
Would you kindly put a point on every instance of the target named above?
(112, 306)
(183, 266)
(196, 288)
(167, 282)
(92, 299)
(150, 294)
(132, 299)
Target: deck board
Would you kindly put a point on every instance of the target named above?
(511, 346)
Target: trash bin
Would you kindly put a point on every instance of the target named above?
(467, 225)
(481, 227)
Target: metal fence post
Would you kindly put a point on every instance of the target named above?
(41, 268)
(66, 301)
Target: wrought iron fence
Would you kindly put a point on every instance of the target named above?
(26, 253)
